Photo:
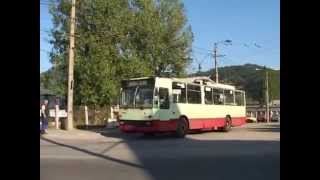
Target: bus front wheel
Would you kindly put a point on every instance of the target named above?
(227, 126)
(182, 127)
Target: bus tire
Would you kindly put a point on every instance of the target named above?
(227, 126)
(182, 127)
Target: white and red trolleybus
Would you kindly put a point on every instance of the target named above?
(157, 104)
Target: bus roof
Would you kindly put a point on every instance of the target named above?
(205, 79)
(193, 80)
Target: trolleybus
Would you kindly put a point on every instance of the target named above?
(158, 104)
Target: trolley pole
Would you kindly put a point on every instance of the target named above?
(69, 124)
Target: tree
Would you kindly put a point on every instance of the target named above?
(119, 39)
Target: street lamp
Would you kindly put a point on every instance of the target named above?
(266, 92)
(225, 42)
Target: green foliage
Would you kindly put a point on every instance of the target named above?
(115, 40)
(248, 78)
(52, 79)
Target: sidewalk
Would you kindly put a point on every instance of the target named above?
(75, 134)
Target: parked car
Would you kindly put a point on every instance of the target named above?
(261, 118)
(251, 119)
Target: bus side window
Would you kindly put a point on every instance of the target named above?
(193, 94)
(229, 97)
(179, 92)
(164, 98)
(218, 96)
(208, 95)
(239, 98)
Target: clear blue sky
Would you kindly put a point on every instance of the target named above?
(245, 22)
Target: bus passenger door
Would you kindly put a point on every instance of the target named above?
(164, 104)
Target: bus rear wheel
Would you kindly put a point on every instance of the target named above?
(182, 127)
(227, 126)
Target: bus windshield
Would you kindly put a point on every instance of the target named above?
(127, 96)
(137, 97)
(143, 97)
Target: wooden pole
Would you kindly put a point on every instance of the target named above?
(69, 124)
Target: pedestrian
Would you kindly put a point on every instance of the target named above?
(44, 117)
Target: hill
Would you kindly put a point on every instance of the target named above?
(245, 77)
(250, 79)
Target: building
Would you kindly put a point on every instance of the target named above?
(258, 111)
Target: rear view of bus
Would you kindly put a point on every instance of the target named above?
(151, 105)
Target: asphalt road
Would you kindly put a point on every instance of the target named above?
(248, 152)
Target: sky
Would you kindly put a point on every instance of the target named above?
(45, 47)
(253, 26)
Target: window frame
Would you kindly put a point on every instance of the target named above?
(225, 97)
(243, 98)
(185, 97)
(193, 90)
(212, 100)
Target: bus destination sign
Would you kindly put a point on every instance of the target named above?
(133, 83)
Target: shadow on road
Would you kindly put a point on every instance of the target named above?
(91, 153)
(165, 157)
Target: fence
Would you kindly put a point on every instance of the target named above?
(97, 116)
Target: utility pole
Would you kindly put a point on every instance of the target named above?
(69, 124)
(215, 62)
(267, 95)
(225, 42)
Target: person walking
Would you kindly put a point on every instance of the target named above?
(44, 117)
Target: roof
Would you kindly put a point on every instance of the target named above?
(206, 79)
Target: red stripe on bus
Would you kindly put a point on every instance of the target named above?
(166, 126)
(206, 123)
(203, 123)
(156, 126)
